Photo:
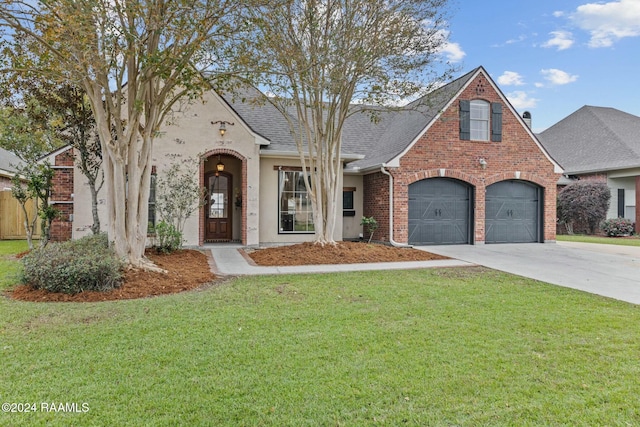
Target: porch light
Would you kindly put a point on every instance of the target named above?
(483, 163)
(223, 126)
(220, 165)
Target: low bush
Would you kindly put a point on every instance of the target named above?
(617, 227)
(86, 264)
(168, 238)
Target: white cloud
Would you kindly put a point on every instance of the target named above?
(608, 22)
(558, 13)
(560, 39)
(558, 77)
(453, 51)
(520, 100)
(510, 78)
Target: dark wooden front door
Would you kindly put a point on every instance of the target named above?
(218, 209)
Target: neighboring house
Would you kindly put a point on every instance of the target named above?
(601, 143)
(8, 163)
(458, 166)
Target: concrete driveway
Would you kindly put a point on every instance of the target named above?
(609, 270)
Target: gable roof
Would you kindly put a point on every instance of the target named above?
(594, 139)
(8, 162)
(372, 143)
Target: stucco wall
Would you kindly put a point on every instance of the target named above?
(191, 136)
(351, 228)
(269, 224)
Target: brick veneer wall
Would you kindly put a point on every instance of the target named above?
(441, 153)
(376, 204)
(62, 196)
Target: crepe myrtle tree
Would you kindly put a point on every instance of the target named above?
(136, 61)
(319, 56)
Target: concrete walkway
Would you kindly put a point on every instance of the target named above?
(608, 270)
(227, 260)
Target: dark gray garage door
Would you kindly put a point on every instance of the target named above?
(513, 212)
(440, 212)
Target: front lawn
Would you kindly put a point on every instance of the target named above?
(465, 347)
(10, 268)
(623, 241)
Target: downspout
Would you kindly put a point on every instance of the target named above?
(393, 242)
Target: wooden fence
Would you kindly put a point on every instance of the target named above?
(12, 218)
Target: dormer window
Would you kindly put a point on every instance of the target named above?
(479, 119)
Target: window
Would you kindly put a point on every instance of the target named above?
(294, 205)
(152, 203)
(479, 119)
(347, 202)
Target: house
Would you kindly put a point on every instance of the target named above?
(8, 163)
(458, 166)
(601, 143)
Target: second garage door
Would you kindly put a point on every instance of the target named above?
(513, 212)
(440, 212)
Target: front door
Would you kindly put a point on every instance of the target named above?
(217, 209)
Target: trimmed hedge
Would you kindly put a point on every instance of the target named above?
(86, 264)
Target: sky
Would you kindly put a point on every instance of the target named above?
(551, 57)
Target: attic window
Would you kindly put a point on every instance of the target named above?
(479, 119)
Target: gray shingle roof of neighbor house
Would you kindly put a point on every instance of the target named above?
(594, 139)
(8, 161)
(374, 142)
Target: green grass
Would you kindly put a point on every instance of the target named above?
(635, 241)
(10, 268)
(465, 347)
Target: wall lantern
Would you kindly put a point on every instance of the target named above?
(223, 126)
(483, 163)
(219, 166)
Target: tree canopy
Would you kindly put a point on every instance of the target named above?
(317, 57)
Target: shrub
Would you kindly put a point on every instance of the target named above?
(86, 264)
(617, 227)
(585, 201)
(370, 224)
(168, 238)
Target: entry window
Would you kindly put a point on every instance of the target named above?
(218, 196)
(479, 120)
(295, 212)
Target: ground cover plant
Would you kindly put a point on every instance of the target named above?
(465, 346)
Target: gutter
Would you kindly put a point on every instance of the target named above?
(393, 242)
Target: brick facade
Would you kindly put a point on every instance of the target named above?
(62, 196)
(441, 153)
(376, 204)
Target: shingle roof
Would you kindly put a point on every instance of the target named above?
(594, 139)
(377, 140)
(8, 161)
